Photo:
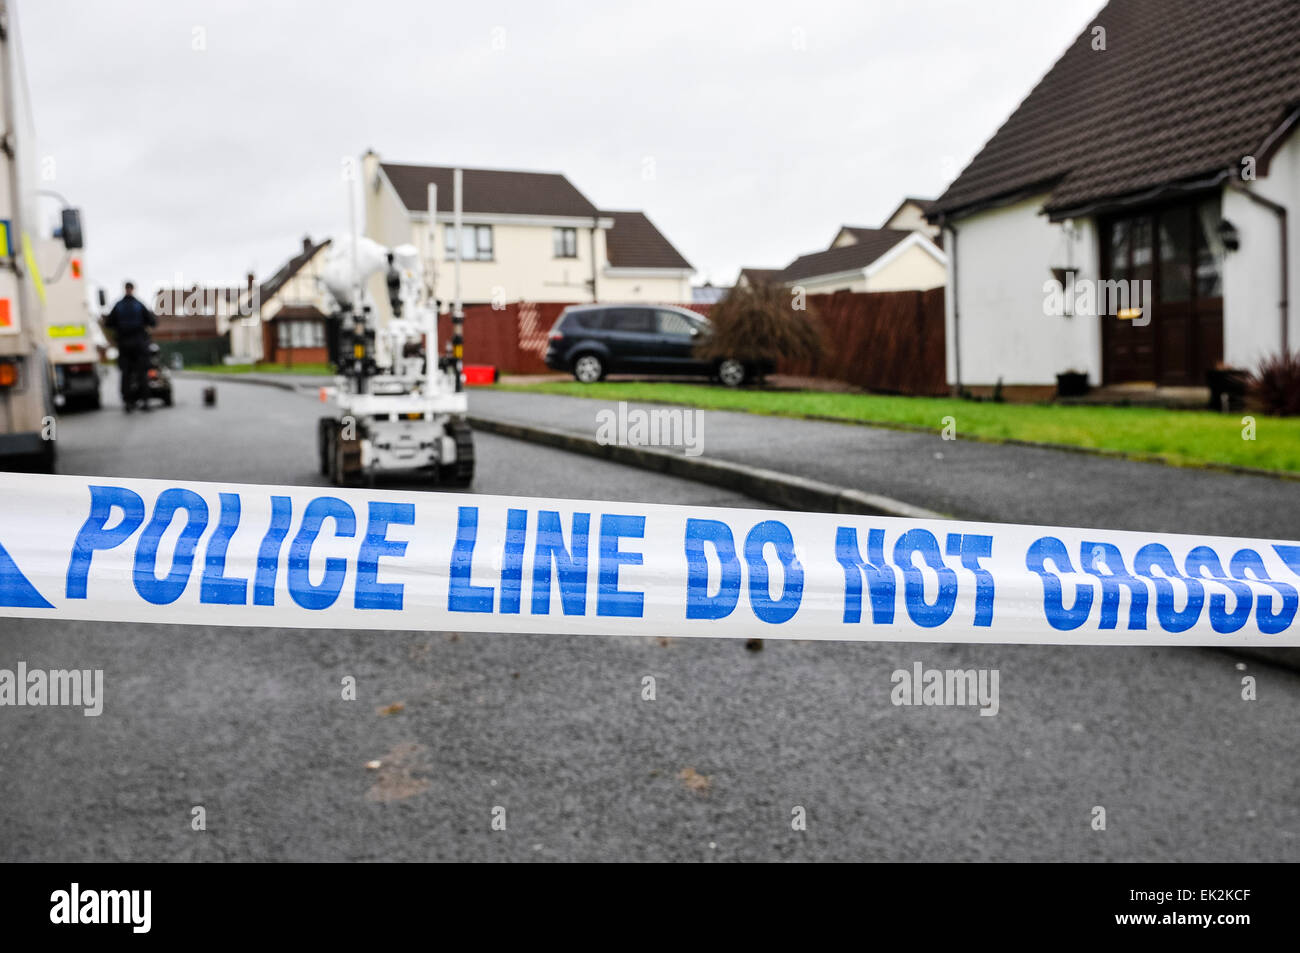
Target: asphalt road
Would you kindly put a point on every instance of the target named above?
(250, 724)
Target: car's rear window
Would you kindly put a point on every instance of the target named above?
(590, 320)
(630, 319)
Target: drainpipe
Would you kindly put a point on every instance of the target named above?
(956, 306)
(457, 308)
(1280, 212)
(595, 265)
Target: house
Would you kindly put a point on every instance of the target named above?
(292, 307)
(750, 277)
(526, 236)
(910, 215)
(869, 259)
(708, 293)
(1137, 218)
(864, 259)
(641, 264)
(197, 321)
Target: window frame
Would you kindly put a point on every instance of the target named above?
(691, 326)
(614, 314)
(560, 243)
(483, 250)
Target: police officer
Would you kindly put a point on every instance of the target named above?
(130, 322)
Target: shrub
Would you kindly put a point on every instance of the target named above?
(760, 322)
(1275, 387)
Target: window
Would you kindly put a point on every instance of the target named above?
(634, 320)
(1119, 250)
(670, 322)
(1177, 246)
(1209, 250)
(290, 333)
(475, 242)
(1175, 255)
(565, 241)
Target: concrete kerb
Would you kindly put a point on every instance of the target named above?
(780, 489)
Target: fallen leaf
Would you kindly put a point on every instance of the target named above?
(398, 774)
(383, 711)
(694, 781)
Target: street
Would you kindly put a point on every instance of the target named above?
(251, 724)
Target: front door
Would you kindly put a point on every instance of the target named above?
(1176, 336)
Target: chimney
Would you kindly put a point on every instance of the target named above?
(306, 244)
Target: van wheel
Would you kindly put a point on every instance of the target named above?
(588, 369)
(731, 372)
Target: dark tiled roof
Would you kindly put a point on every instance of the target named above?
(871, 244)
(289, 269)
(489, 191)
(634, 242)
(758, 276)
(297, 311)
(1183, 90)
(857, 231)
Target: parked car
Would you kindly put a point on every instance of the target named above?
(593, 340)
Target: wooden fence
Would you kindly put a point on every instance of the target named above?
(885, 341)
(890, 341)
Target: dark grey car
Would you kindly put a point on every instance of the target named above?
(591, 341)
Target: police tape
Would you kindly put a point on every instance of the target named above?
(228, 554)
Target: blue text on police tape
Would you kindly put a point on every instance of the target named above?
(883, 573)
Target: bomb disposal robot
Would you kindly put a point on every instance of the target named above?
(400, 406)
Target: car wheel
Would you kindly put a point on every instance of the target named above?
(588, 369)
(731, 372)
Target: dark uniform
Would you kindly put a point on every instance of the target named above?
(130, 322)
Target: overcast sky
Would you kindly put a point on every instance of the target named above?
(206, 138)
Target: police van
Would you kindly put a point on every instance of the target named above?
(27, 386)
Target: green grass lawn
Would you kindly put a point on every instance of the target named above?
(1182, 437)
(313, 369)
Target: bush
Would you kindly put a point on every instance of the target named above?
(760, 322)
(1275, 387)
